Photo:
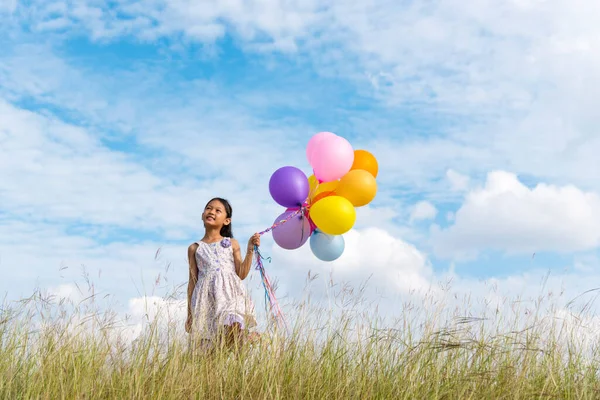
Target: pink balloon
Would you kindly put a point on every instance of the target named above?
(332, 159)
(315, 142)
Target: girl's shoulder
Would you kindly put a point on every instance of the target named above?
(193, 247)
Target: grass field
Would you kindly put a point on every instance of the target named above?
(57, 350)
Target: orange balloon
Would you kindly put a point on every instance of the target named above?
(323, 188)
(358, 186)
(365, 161)
(320, 196)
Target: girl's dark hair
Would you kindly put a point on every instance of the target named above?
(226, 230)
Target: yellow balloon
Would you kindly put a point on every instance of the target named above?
(333, 215)
(358, 186)
(313, 183)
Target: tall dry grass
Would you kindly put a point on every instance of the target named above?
(57, 349)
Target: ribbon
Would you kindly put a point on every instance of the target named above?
(283, 221)
(270, 297)
(269, 292)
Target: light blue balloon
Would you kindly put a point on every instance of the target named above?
(327, 247)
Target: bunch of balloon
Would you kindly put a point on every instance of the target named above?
(342, 179)
(322, 207)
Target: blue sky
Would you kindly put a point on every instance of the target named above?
(119, 120)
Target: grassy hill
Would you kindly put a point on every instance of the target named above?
(56, 351)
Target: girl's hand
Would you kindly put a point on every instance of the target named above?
(253, 241)
(188, 324)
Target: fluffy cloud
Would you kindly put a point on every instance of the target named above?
(111, 188)
(399, 285)
(458, 181)
(67, 291)
(528, 124)
(388, 265)
(438, 53)
(142, 288)
(508, 216)
(423, 210)
(169, 314)
(283, 23)
(44, 257)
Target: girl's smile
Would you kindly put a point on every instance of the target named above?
(214, 214)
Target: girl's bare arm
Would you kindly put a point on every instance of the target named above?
(242, 266)
(193, 275)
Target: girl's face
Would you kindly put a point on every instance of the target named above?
(214, 215)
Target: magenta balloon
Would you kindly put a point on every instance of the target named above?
(314, 143)
(332, 159)
(289, 186)
(293, 233)
(313, 226)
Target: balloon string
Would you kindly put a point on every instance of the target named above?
(269, 291)
(270, 297)
(283, 221)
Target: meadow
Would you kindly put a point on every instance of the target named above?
(53, 348)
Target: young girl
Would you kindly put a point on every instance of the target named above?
(218, 304)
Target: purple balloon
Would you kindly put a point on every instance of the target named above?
(289, 186)
(293, 233)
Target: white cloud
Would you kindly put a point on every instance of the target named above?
(423, 210)
(135, 283)
(169, 315)
(64, 172)
(400, 282)
(67, 291)
(117, 327)
(111, 188)
(458, 181)
(391, 266)
(508, 216)
(273, 22)
(404, 46)
(436, 53)
(530, 114)
(504, 304)
(43, 255)
(151, 193)
(549, 139)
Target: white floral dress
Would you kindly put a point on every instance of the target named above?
(219, 297)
